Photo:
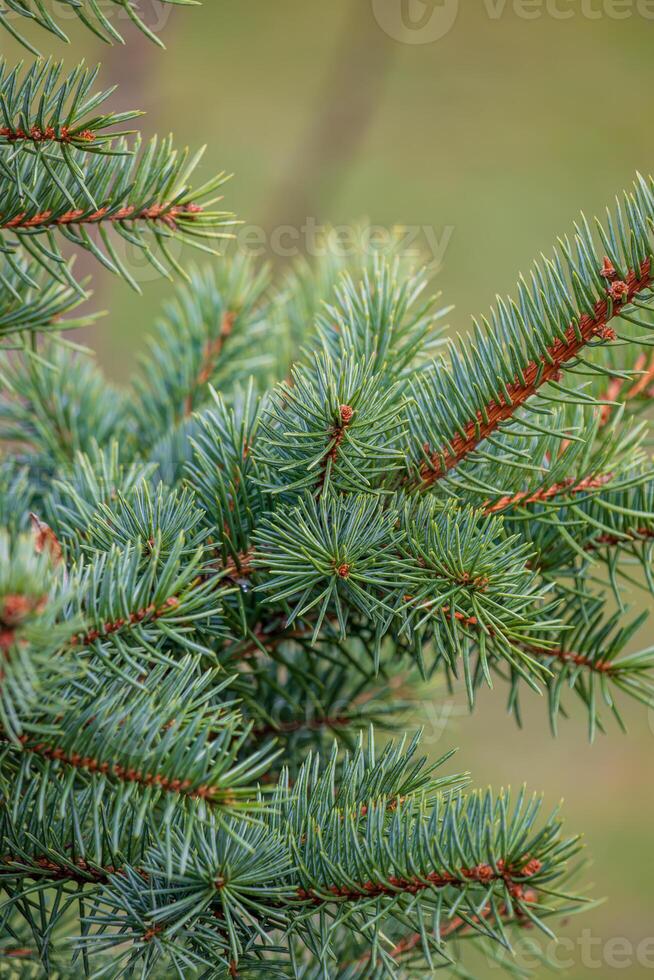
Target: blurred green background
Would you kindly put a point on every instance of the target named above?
(492, 138)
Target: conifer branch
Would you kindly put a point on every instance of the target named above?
(143, 197)
(80, 873)
(210, 356)
(88, 12)
(482, 874)
(568, 488)
(633, 535)
(42, 105)
(169, 214)
(214, 562)
(642, 387)
(536, 374)
(212, 333)
(115, 770)
(31, 303)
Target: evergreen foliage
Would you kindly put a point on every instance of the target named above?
(221, 583)
(102, 22)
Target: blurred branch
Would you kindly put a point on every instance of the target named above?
(342, 115)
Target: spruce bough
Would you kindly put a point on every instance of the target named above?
(216, 585)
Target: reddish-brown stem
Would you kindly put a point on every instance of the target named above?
(147, 614)
(564, 656)
(638, 534)
(482, 874)
(570, 657)
(643, 385)
(212, 351)
(239, 566)
(156, 212)
(269, 642)
(274, 637)
(47, 135)
(568, 487)
(346, 413)
(454, 925)
(184, 787)
(644, 382)
(535, 375)
(82, 873)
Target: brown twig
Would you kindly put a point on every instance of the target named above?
(536, 374)
(212, 351)
(80, 871)
(308, 724)
(183, 787)
(570, 657)
(240, 565)
(345, 106)
(147, 614)
(567, 487)
(482, 874)
(616, 386)
(47, 135)
(346, 412)
(634, 536)
(166, 213)
(19, 953)
(452, 927)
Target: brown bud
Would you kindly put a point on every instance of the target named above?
(45, 539)
(605, 332)
(14, 609)
(619, 291)
(532, 867)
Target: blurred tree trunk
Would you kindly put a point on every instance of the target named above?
(347, 104)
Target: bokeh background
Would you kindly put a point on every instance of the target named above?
(490, 139)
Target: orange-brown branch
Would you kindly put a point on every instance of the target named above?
(636, 535)
(212, 351)
(537, 374)
(482, 874)
(184, 787)
(346, 413)
(451, 927)
(239, 566)
(643, 385)
(307, 724)
(47, 135)
(563, 656)
(166, 213)
(81, 872)
(19, 953)
(147, 614)
(568, 487)
(570, 657)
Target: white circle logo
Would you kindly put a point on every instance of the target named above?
(416, 21)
